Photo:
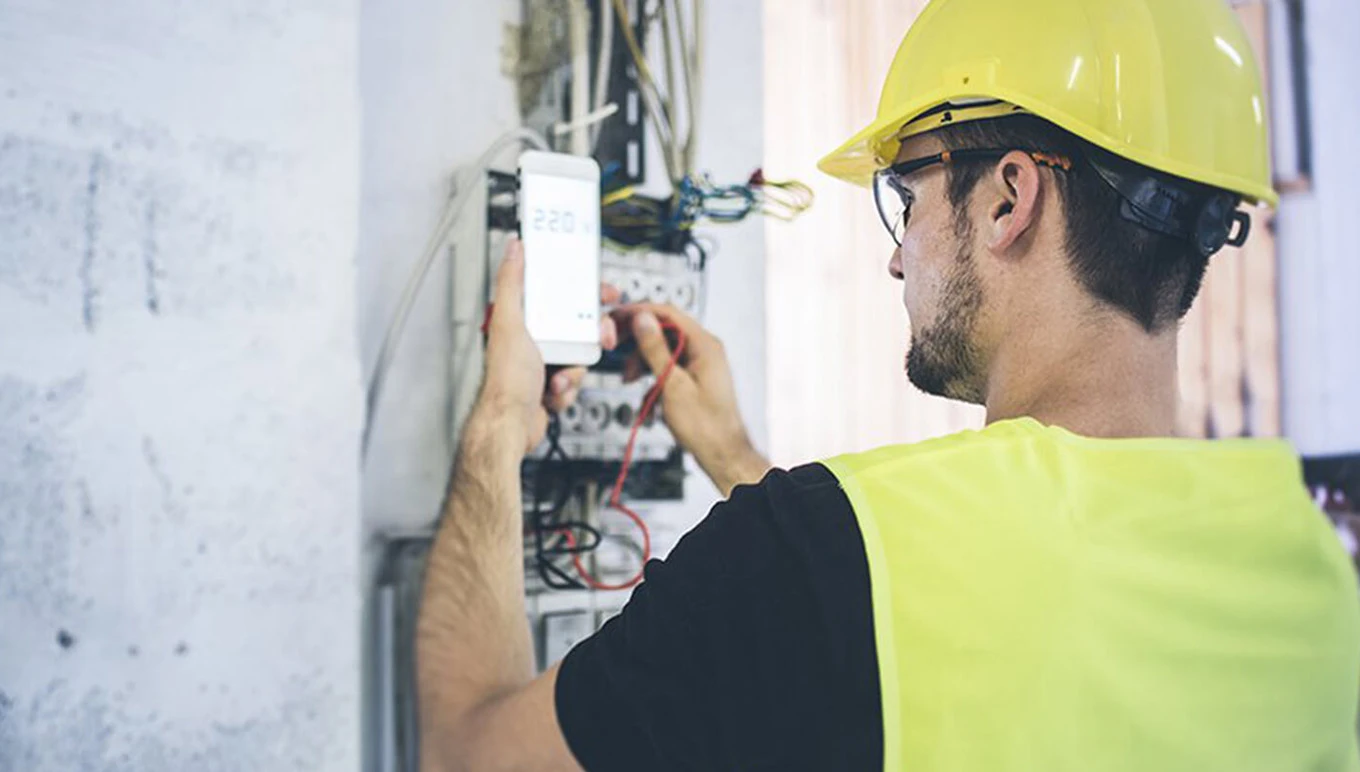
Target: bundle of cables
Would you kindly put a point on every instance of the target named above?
(630, 220)
(556, 537)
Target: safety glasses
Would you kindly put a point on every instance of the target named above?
(894, 200)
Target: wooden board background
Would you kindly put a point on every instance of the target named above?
(837, 330)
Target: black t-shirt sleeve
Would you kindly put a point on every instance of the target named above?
(750, 648)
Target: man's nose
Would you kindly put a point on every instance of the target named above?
(895, 264)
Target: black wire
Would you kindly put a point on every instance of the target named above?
(547, 523)
(547, 570)
(552, 576)
(573, 546)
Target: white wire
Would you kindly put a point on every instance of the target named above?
(696, 64)
(676, 148)
(689, 58)
(397, 325)
(578, 27)
(603, 65)
(586, 121)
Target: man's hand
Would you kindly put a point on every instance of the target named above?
(699, 402)
(513, 395)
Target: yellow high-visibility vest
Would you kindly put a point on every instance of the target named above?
(1046, 601)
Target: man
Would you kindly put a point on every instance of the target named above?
(1070, 588)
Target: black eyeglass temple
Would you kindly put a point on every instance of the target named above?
(970, 154)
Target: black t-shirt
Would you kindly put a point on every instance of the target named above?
(750, 648)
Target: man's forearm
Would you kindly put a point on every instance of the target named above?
(733, 465)
(472, 642)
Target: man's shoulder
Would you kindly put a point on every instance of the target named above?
(955, 449)
(783, 492)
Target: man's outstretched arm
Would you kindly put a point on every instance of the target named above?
(480, 706)
(474, 656)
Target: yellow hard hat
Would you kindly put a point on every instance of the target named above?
(1169, 84)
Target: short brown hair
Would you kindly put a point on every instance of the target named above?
(1151, 277)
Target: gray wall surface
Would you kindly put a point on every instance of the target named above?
(202, 234)
(179, 385)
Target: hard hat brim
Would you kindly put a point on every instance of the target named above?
(873, 147)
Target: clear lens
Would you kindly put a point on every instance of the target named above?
(894, 204)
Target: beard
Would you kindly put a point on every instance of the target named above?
(942, 359)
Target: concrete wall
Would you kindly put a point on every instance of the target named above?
(183, 192)
(1319, 253)
(179, 385)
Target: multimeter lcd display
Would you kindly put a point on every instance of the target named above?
(560, 226)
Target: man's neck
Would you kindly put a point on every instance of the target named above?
(1107, 379)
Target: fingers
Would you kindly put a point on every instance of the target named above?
(633, 369)
(563, 388)
(609, 334)
(509, 293)
(667, 313)
(700, 345)
(609, 331)
(653, 347)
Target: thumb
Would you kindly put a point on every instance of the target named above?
(651, 342)
(509, 293)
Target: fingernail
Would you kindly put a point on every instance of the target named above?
(561, 382)
(645, 324)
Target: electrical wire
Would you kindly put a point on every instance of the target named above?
(689, 66)
(547, 523)
(695, 75)
(616, 494)
(587, 121)
(652, 100)
(397, 325)
(630, 220)
(604, 66)
(676, 149)
(578, 26)
(540, 521)
(781, 199)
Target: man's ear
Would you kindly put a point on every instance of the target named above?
(1016, 185)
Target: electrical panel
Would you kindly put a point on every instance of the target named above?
(654, 277)
(599, 425)
(619, 80)
(584, 85)
(560, 632)
(581, 554)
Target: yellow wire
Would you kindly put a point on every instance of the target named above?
(618, 195)
(649, 80)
